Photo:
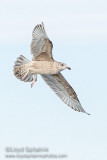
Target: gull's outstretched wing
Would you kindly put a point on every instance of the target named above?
(63, 90)
(41, 46)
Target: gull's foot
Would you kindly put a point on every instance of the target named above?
(34, 80)
(32, 84)
(24, 76)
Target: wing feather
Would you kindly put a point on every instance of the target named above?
(64, 91)
(41, 46)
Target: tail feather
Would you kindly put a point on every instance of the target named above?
(19, 70)
(20, 61)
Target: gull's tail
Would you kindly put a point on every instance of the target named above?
(19, 69)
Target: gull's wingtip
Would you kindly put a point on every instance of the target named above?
(88, 113)
(42, 24)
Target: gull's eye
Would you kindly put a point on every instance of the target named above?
(62, 64)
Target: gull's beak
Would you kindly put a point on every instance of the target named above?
(68, 68)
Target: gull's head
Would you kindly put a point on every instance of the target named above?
(62, 66)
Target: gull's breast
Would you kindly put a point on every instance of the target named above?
(44, 67)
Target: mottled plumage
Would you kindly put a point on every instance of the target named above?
(43, 63)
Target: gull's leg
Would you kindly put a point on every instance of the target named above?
(34, 80)
(25, 74)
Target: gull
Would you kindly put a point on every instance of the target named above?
(50, 70)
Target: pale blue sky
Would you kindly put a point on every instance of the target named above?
(37, 117)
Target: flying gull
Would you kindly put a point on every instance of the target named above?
(43, 63)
